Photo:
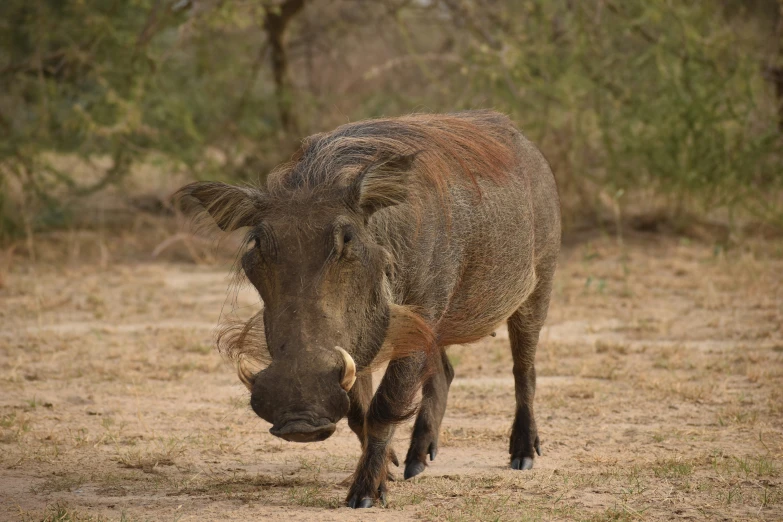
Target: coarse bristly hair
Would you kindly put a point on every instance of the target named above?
(408, 333)
(448, 149)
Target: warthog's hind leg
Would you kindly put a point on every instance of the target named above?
(424, 438)
(523, 329)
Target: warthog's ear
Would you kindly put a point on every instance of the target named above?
(229, 206)
(382, 183)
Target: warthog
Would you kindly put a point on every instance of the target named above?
(389, 240)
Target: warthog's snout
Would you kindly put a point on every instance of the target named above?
(303, 430)
(303, 410)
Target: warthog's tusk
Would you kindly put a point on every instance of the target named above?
(349, 376)
(245, 373)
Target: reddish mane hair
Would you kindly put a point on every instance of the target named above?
(450, 148)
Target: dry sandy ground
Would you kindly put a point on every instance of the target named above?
(660, 397)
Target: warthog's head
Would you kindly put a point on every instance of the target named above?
(324, 283)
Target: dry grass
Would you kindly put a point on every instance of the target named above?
(659, 397)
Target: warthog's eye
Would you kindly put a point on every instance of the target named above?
(262, 245)
(344, 235)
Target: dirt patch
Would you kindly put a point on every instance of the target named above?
(659, 397)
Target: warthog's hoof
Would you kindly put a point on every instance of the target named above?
(523, 464)
(358, 501)
(413, 468)
(355, 503)
(366, 502)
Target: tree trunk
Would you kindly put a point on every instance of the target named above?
(275, 25)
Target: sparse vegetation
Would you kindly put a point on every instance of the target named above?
(59, 483)
(13, 426)
(647, 411)
(673, 468)
(666, 105)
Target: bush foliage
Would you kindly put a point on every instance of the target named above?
(672, 97)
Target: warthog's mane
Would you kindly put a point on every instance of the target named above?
(450, 148)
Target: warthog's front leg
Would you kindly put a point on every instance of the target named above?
(392, 403)
(360, 396)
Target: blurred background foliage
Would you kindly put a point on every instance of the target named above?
(665, 106)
